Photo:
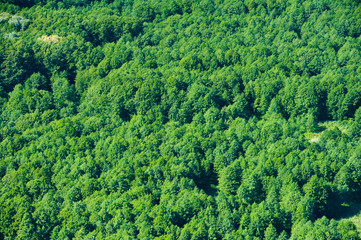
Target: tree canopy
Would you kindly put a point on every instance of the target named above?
(180, 119)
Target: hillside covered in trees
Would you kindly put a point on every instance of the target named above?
(180, 119)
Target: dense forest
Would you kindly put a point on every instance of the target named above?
(180, 119)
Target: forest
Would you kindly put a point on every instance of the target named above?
(180, 119)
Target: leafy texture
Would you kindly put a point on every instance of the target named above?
(180, 119)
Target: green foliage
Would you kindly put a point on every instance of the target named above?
(19, 22)
(11, 36)
(180, 119)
